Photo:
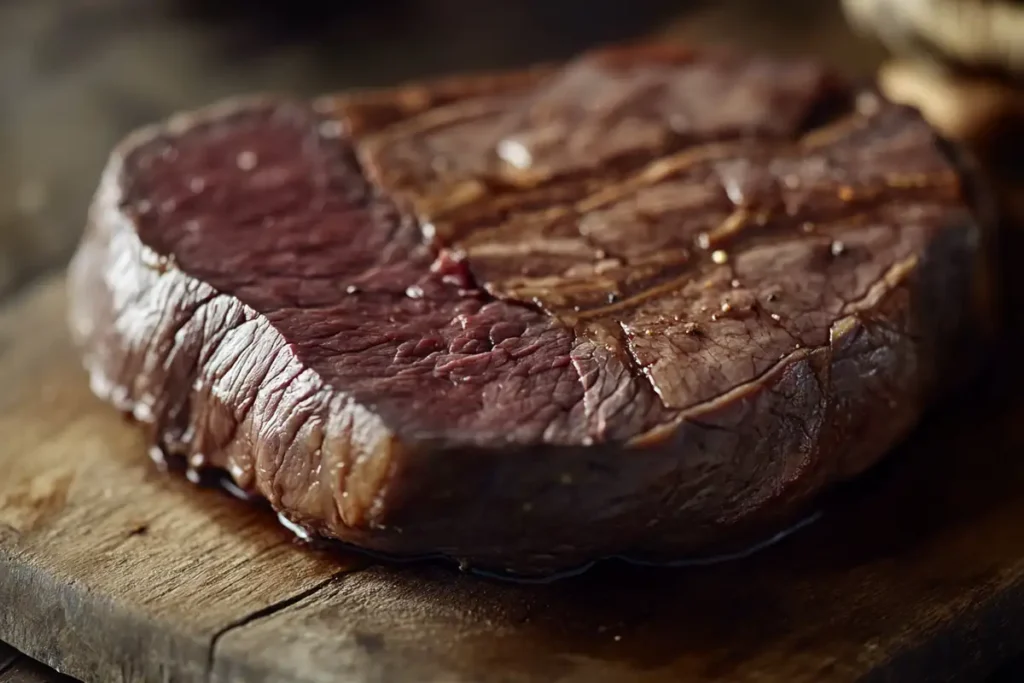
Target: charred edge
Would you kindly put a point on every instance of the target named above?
(267, 611)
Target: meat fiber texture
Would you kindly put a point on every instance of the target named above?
(650, 303)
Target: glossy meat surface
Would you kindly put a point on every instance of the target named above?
(643, 304)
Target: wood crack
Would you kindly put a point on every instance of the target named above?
(263, 613)
(9, 666)
(637, 369)
(8, 660)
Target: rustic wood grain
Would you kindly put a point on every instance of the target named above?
(112, 572)
(108, 570)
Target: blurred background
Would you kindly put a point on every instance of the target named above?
(76, 75)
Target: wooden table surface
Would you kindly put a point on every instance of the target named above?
(76, 75)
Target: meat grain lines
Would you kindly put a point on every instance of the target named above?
(112, 572)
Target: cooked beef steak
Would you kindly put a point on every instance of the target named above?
(649, 303)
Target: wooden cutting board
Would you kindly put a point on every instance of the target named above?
(110, 571)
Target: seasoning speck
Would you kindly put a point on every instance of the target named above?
(197, 185)
(691, 329)
(246, 160)
(868, 104)
(330, 129)
(846, 193)
(726, 307)
(719, 256)
(735, 284)
(704, 240)
(618, 638)
(838, 248)
(515, 154)
(776, 317)
(351, 289)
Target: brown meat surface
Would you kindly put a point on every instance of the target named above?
(650, 303)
